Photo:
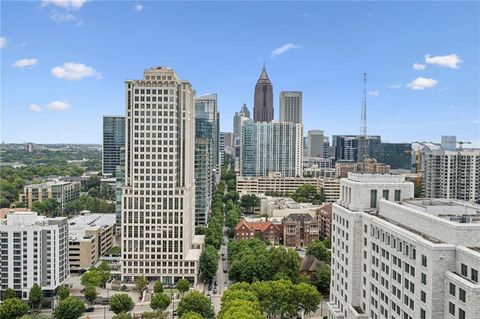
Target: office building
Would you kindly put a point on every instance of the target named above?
(263, 99)
(237, 119)
(370, 165)
(315, 143)
(402, 258)
(158, 237)
(330, 187)
(451, 174)
(350, 147)
(396, 155)
(113, 141)
(207, 154)
(34, 251)
(90, 237)
(291, 106)
(62, 192)
(327, 149)
(449, 142)
(221, 147)
(271, 147)
(119, 182)
(28, 147)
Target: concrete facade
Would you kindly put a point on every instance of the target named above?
(405, 258)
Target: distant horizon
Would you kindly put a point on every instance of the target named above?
(65, 69)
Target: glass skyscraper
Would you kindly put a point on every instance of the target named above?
(113, 141)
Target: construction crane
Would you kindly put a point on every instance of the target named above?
(460, 144)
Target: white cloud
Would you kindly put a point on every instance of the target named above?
(65, 4)
(25, 63)
(3, 42)
(284, 48)
(421, 83)
(62, 17)
(374, 93)
(74, 71)
(138, 7)
(419, 66)
(395, 86)
(58, 106)
(34, 108)
(449, 61)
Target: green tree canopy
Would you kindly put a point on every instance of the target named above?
(63, 292)
(196, 302)
(191, 315)
(105, 272)
(241, 309)
(183, 285)
(12, 308)
(91, 278)
(35, 296)
(322, 279)
(209, 262)
(9, 293)
(122, 315)
(160, 302)
(69, 308)
(90, 294)
(158, 287)
(249, 202)
(121, 303)
(308, 194)
(141, 282)
(307, 297)
(318, 250)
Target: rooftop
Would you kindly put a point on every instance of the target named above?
(80, 223)
(452, 210)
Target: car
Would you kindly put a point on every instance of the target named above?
(224, 269)
(223, 253)
(89, 309)
(223, 257)
(174, 313)
(215, 283)
(215, 290)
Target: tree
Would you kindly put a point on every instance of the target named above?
(153, 315)
(90, 294)
(308, 194)
(191, 315)
(35, 296)
(9, 293)
(158, 287)
(49, 207)
(13, 308)
(196, 302)
(105, 272)
(69, 308)
(232, 218)
(249, 202)
(307, 297)
(322, 279)
(284, 263)
(121, 303)
(35, 316)
(91, 278)
(160, 302)
(63, 292)
(141, 283)
(241, 309)
(318, 250)
(209, 262)
(183, 285)
(232, 195)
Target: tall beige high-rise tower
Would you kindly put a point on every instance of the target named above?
(158, 199)
(291, 106)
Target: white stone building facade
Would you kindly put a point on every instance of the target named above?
(405, 258)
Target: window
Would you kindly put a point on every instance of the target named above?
(474, 275)
(461, 294)
(461, 313)
(451, 308)
(422, 314)
(373, 198)
(423, 296)
(424, 261)
(397, 195)
(464, 270)
(424, 278)
(452, 289)
(385, 194)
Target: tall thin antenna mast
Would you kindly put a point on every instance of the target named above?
(363, 122)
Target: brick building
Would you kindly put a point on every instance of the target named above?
(299, 230)
(267, 231)
(325, 216)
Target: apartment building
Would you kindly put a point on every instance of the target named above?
(91, 237)
(451, 174)
(267, 231)
(299, 230)
(62, 191)
(34, 250)
(402, 258)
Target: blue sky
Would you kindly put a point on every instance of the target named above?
(63, 64)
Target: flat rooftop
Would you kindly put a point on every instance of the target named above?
(80, 223)
(453, 210)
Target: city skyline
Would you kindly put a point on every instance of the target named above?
(422, 85)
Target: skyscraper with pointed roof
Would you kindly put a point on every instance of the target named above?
(263, 99)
